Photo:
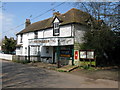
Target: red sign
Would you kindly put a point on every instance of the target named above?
(76, 54)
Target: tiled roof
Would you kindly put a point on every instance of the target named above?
(71, 16)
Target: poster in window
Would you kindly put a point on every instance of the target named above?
(83, 54)
(90, 54)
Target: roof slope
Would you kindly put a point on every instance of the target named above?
(72, 16)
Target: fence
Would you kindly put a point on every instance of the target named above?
(23, 58)
(6, 56)
(32, 58)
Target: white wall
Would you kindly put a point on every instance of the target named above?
(79, 32)
(40, 34)
(24, 43)
(19, 51)
(43, 51)
(65, 31)
(18, 39)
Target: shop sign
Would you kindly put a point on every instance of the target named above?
(65, 53)
(44, 42)
(51, 41)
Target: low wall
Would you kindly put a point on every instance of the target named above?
(6, 56)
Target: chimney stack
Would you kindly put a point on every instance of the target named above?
(56, 13)
(27, 23)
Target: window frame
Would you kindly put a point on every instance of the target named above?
(35, 34)
(55, 28)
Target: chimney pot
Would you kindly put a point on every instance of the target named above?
(56, 13)
(27, 23)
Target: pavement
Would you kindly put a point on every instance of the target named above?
(16, 75)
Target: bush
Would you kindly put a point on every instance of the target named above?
(106, 45)
(21, 61)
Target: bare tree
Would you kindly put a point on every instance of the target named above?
(106, 11)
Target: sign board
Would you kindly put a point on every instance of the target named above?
(90, 54)
(51, 41)
(83, 54)
(44, 42)
(65, 53)
(76, 55)
(87, 54)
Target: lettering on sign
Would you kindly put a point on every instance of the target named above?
(44, 42)
(51, 41)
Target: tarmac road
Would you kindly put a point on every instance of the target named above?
(16, 75)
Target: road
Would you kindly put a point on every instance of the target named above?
(15, 75)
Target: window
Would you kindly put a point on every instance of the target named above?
(21, 38)
(56, 29)
(36, 34)
(47, 49)
(56, 25)
(25, 50)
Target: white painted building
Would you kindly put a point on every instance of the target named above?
(53, 36)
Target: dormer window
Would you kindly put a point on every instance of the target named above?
(56, 26)
(36, 34)
(56, 29)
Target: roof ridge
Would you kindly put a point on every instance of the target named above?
(58, 15)
(71, 16)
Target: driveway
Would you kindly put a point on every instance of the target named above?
(15, 75)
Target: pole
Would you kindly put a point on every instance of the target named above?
(58, 54)
(72, 56)
(28, 53)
